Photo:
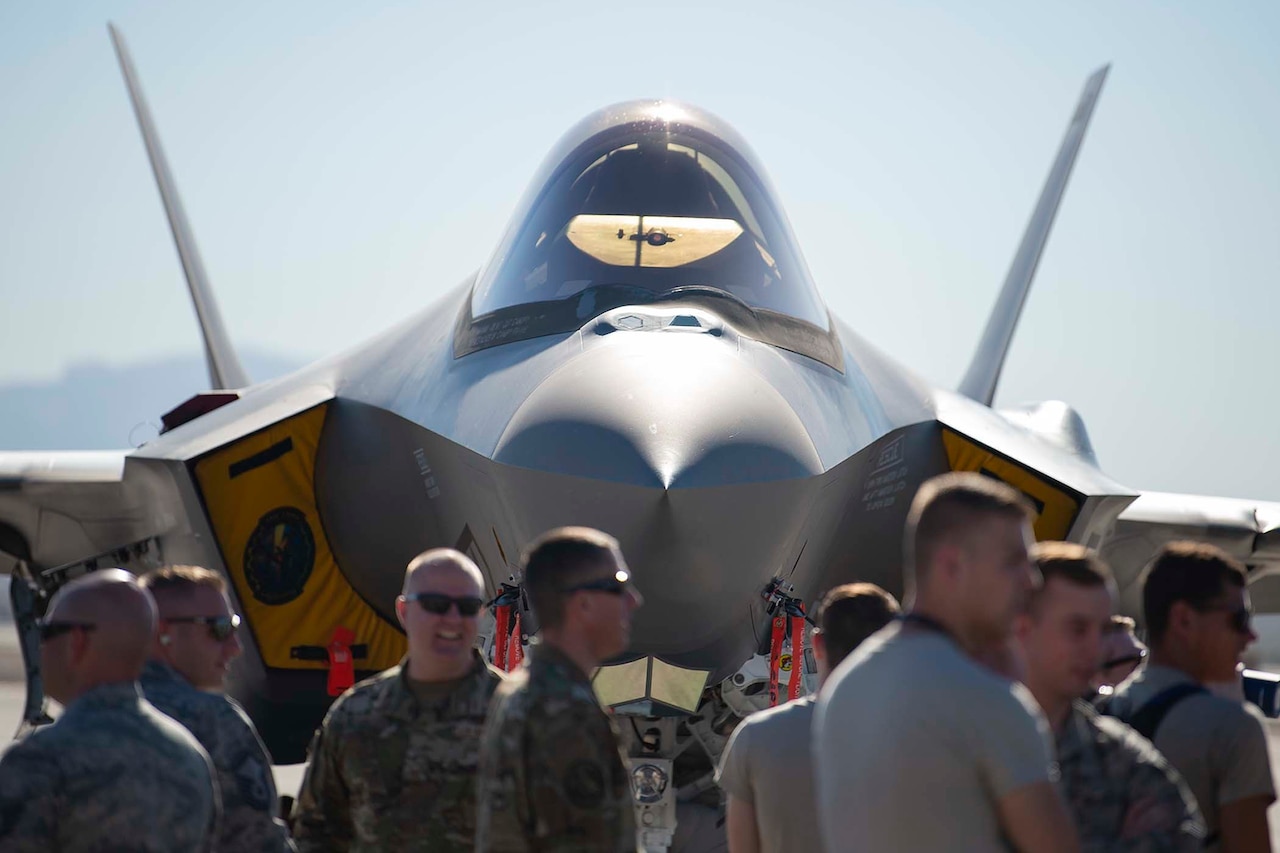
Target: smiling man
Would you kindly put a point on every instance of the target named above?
(393, 767)
(195, 642)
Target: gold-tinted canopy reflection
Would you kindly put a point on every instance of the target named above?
(650, 241)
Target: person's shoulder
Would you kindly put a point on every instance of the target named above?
(1113, 735)
(188, 703)
(489, 679)
(177, 737)
(511, 696)
(785, 716)
(1233, 719)
(38, 747)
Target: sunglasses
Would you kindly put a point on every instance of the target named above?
(1241, 618)
(439, 603)
(220, 627)
(49, 630)
(1135, 658)
(617, 584)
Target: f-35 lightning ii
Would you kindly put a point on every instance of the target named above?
(645, 352)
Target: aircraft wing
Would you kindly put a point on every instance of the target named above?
(1044, 452)
(57, 506)
(1248, 530)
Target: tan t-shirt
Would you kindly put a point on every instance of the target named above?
(1217, 744)
(766, 764)
(915, 744)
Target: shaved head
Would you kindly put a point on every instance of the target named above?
(438, 585)
(428, 563)
(118, 619)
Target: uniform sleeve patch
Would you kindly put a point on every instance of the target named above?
(584, 784)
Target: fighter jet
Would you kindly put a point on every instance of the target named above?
(644, 352)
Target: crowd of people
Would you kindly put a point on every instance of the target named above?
(1008, 707)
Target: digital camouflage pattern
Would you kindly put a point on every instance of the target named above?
(552, 777)
(1121, 791)
(240, 761)
(386, 773)
(112, 774)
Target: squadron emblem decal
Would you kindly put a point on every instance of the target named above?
(279, 556)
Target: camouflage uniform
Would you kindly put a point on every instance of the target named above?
(386, 773)
(112, 774)
(551, 775)
(240, 760)
(1121, 792)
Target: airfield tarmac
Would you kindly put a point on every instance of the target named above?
(289, 778)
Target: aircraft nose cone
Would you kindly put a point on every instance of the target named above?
(660, 410)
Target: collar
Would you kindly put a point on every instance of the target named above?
(928, 623)
(122, 694)
(156, 672)
(546, 659)
(1076, 732)
(473, 691)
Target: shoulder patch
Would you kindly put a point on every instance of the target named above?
(253, 780)
(584, 784)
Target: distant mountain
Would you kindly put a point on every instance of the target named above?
(100, 407)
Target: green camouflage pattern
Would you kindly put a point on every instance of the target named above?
(552, 777)
(241, 762)
(112, 773)
(1122, 793)
(385, 773)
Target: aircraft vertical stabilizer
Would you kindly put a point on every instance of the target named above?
(225, 371)
(980, 380)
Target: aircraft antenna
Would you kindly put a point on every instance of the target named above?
(980, 380)
(225, 372)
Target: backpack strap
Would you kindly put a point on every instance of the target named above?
(1147, 719)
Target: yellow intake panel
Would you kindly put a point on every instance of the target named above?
(1056, 506)
(260, 495)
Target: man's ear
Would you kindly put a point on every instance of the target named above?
(1181, 618)
(400, 603)
(79, 646)
(819, 647)
(1022, 626)
(948, 560)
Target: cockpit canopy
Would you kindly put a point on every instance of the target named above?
(640, 203)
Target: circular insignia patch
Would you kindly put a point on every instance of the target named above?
(279, 556)
(584, 784)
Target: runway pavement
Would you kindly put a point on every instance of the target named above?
(288, 778)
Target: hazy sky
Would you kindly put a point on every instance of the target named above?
(342, 168)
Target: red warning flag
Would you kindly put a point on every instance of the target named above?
(797, 656)
(775, 656)
(342, 666)
(500, 615)
(515, 652)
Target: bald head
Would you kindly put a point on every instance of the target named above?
(437, 561)
(438, 586)
(116, 619)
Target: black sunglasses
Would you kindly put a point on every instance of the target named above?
(49, 630)
(1135, 658)
(439, 603)
(220, 627)
(615, 584)
(1241, 617)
